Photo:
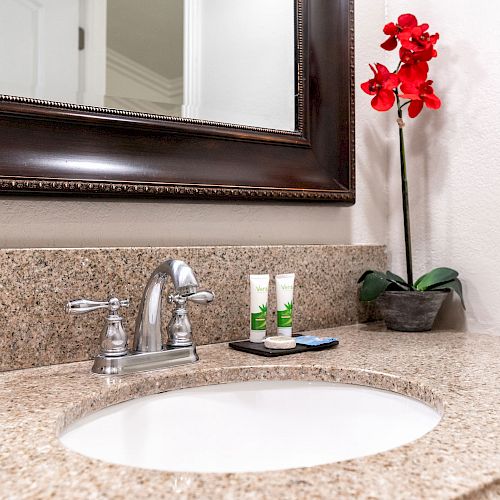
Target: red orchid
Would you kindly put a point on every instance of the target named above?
(419, 93)
(418, 40)
(405, 22)
(414, 67)
(410, 83)
(410, 80)
(382, 86)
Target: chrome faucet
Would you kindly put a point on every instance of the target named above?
(148, 325)
(148, 352)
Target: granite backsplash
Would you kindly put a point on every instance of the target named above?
(35, 284)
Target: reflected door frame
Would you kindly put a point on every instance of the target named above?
(93, 54)
(192, 64)
(33, 60)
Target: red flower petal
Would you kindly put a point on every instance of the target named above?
(390, 44)
(426, 54)
(383, 72)
(391, 29)
(392, 82)
(410, 88)
(414, 72)
(415, 108)
(384, 100)
(404, 37)
(407, 21)
(406, 56)
(417, 32)
(367, 88)
(432, 101)
(412, 97)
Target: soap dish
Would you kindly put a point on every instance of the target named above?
(262, 350)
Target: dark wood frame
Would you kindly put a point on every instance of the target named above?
(48, 147)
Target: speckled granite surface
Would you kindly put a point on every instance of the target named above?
(457, 373)
(35, 285)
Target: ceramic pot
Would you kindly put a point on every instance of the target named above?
(411, 311)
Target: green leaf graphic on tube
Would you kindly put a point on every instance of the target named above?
(259, 318)
(285, 316)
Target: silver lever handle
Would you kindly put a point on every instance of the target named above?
(84, 306)
(201, 297)
(113, 340)
(179, 328)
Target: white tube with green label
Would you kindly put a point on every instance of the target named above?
(284, 303)
(259, 291)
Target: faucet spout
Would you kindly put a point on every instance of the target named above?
(147, 336)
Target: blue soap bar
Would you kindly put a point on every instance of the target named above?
(314, 341)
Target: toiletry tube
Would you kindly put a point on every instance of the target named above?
(259, 291)
(284, 302)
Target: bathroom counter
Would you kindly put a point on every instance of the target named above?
(457, 373)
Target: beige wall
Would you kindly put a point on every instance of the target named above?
(52, 222)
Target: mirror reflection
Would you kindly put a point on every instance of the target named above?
(229, 61)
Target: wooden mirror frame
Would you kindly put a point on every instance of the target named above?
(59, 148)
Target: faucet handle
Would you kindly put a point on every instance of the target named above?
(113, 340)
(200, 297)
(84, 306)
(179, 331)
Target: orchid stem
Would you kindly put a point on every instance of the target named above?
(404, 190)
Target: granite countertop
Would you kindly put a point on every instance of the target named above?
(457, 373)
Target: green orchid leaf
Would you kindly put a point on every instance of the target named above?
(435, 278)
(369, 273)
(455, 286)
(397, 279)
(396, 287)
(374, 284)
(365, 274)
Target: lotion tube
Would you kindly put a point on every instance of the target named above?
(259, 291)
(284, 303)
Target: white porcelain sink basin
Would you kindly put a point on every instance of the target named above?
(251, 427)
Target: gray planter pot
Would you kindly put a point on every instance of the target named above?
(411, 311)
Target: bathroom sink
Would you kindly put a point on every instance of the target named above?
(251, 427)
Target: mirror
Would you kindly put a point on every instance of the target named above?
(259, 103)
(230, 61)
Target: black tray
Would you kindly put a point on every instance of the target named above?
(262, 350)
